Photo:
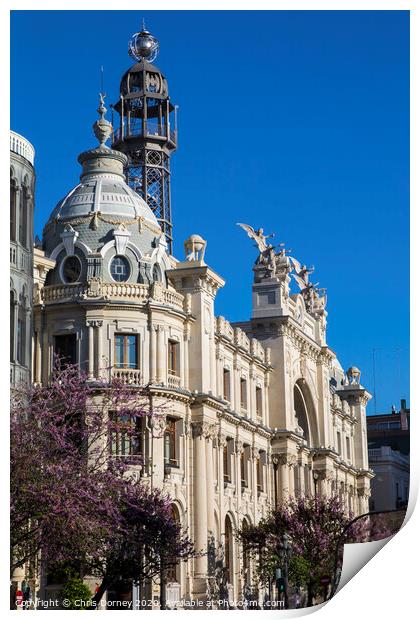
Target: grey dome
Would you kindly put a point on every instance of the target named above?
(102, 190)
(101, 219)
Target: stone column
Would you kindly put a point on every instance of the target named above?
(45, 353)
(266, 400)
(238, 485)
(302, 489)
(292, 466)
(38, 357)
(219, 373)
(200, 510)
(152, 353)
(284, 477)
(187, 335)
(235, 397)
(360, 501)
(322, 484)
(89, 325)
(254, 491)
(160, 362)
(101, 364)
(210, 481)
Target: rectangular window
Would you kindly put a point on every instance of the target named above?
(126, 351)
(243, 472)
(226, 384)
(338, 442)
(348, 448)
(173, 358)
(126, 434)
(225, 464)
(258, 398)
(260, 472)
(227, 452)
(245, 454)
(170, 443)
(243, 393)
(65, 349)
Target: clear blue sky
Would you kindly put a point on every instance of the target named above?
(296, 121)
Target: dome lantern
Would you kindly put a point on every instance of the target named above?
(147, 131)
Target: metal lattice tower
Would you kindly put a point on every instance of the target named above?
(147, 132)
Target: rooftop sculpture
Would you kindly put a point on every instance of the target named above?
(269, 264)
(276, 264)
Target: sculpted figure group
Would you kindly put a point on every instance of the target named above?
(274, 262)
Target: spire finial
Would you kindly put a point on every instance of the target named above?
(143, 25)
(143, 45)
(102, 128)
(102, 109)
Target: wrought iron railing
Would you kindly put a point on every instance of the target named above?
(136, 129)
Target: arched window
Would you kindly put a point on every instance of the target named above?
(301, 411)
(23, 217)
(228, 549)
(21, 333)
(156, 273)
(172, 574)
(13, 196)
(12, 326)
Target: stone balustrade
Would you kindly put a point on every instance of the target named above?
(238, 337)
(128, 376)
(109, 290)
(224, 328)
(174, 381)
(241, 339)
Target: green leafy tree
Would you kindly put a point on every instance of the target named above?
(75, 592)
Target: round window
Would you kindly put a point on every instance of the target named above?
(72, 268)
(120, 269)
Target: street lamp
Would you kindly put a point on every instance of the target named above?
(275, 460)
(285, 549)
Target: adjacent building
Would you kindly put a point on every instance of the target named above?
(22, 191)
(389, 458)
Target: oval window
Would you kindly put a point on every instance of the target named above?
(120, 269)
(72, 268)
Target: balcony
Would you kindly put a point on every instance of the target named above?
(128, 376)
(141, 293)
(174, 381)
(153, 130)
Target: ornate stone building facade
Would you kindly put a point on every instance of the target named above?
(22, 188)
(256, 411)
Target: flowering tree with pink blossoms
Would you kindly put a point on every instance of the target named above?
(72, 502)
(314, 527)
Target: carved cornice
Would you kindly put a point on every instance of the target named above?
(175, 394)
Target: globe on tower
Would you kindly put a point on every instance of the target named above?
(147, 131)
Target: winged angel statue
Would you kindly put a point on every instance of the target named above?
(315, 298)
(274, 263)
